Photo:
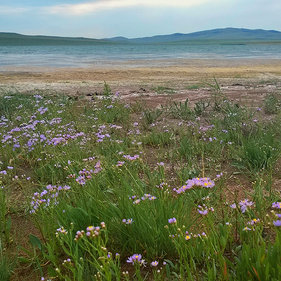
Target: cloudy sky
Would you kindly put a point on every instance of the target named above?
(134, 18)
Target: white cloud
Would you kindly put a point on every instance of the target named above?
(12, 10)
(90, 7)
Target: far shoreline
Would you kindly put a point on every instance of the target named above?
(146, 63)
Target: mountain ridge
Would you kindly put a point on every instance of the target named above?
(227, 35)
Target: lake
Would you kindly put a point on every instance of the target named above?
(130, 54)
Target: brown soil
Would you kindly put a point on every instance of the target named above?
(245, 79)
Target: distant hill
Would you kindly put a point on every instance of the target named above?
(222, 36)
(27, 40)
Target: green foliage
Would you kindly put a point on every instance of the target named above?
(181, 110)
(201, 107)
(217, 96)
(5, 265)
(5, 219)
(97, 183)
(272, 103)
(164, 90)
(159, 138)
(151, 116)
(106, 90)
(256, 261)
(194, 87)
(260, 152)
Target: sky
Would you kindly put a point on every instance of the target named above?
(135, 18)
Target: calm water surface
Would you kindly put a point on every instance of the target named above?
(99, 55)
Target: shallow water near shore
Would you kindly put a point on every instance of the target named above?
(130, 54)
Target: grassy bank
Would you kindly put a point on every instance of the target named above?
(103, 190)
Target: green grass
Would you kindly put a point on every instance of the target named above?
(100, 181)
(194, 87)
(163, 90)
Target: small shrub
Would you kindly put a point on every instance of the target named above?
(151, 116)
(201, 107)
(181, 110)
(272, 103)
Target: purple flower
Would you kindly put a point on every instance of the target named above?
(219, 175)
(154, 263)
(254, 221)
(202, 182)
(172, 221)
(244, 204)
(131, 158)
(42, 110)
(136, 201)
(81, 180)
(276, 205)
(277, 223)
(127, 221)
(120, 163)
(136, 259)
(203, 212)
(247, 229)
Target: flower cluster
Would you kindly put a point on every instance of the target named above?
(254, 222)
(200, 182)
(85, 175)
(42, 110)
(143, 198)
(186, 235)
(131, 158)
(244, 205)
(120, 163)
(61, 230)
(91, 232)
(251, 225)
(204, 210)
(277, 205)
(172, 221)
(47, 197)
(101, 135)
(127, 221)
(64, 139)
(154, 263)
(163, 185)
(67, 262)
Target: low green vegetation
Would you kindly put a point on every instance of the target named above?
(116, 191)
(194, 86)
(163, 90)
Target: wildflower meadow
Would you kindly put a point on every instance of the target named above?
(99, 189)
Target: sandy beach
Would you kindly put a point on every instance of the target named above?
(247, 79)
